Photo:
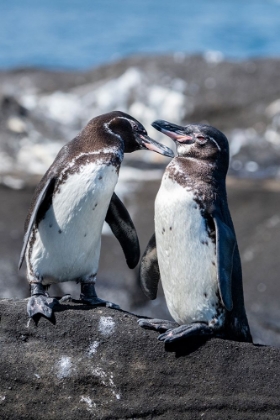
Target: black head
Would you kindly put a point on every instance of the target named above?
(201, 142)
(131, 133)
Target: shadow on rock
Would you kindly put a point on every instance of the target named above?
(187, 346)
(36, 318)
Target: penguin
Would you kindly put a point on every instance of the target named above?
(76, 195)
(194, 249)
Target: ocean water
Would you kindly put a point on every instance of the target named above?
(79, 34)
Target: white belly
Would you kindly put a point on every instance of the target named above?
(67, 245)
(187, 265)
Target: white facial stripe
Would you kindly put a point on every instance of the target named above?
(108, 129)
(124, 118)
(214, 141)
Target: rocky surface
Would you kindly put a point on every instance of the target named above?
(97, 363)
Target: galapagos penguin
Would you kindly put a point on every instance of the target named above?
(194, 249)
(63, 228)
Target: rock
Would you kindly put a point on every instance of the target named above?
(97, 363)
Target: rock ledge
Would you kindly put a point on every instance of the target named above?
(97, 363)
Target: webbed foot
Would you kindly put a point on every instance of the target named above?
(41, 305)
(159, 325)
(66, 298)
(98, 302)
(197, 329)
(89, 297)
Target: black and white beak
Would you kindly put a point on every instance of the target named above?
(145, 142)
(175, 132)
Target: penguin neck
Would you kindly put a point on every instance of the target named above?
(198, 171)
(199, 177)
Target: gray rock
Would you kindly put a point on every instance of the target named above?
(97, 363)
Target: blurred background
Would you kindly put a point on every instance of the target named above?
(63, 62)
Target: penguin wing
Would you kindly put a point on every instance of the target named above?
(225, 246)
(123, 228)
(44, 194)
(149, 270)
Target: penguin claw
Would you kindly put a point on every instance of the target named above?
(65, 298)
(112, 305)
(186, 331)
(39, 305)
(159, 325)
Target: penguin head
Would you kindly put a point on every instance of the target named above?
(132, 134)
(201, 142)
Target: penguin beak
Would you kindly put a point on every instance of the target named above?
(175, 132)
(145, 142)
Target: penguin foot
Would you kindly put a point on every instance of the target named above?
(66, 298)
(159, 325)
(39, 305)
(197, 329)
(89, 297)
(95, 301)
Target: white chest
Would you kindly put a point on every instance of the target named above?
(67, 245)
(186, 255)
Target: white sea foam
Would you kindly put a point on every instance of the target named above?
(135, 92)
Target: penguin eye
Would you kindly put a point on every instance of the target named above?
(201, 140)
(139, 129)
(135, 127)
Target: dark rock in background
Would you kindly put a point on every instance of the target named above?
(97, 363)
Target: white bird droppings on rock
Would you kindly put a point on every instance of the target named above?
(107, 380)
(93, 348)
(106, 325)
(89, 403)
(64, 367)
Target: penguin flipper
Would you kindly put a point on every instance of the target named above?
(225, 247)
(123, 228)
(45, 192)
(149, 270)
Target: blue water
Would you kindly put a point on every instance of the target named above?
(79, 34)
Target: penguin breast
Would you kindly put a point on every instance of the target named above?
(186, 256)
(67, 242)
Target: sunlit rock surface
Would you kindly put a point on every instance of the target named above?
(97, 363)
